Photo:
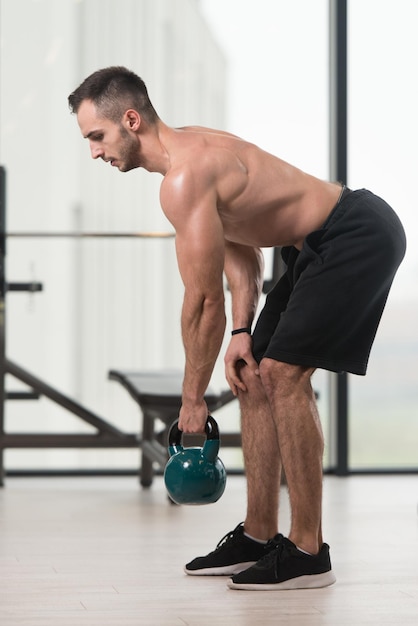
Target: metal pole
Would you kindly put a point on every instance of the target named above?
(2, 311)
(90, 235)
(338, 172)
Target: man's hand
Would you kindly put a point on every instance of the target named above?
(239, 349)
(193, 417)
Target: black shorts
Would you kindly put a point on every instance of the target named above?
(325, 310)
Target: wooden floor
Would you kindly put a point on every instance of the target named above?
(103, 552)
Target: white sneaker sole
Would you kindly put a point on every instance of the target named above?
(314, 581)
(226, 570)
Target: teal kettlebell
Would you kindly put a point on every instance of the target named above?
(195, 475)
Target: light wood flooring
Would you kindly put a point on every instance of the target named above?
(104, 552)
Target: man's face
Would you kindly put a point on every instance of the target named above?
(108, 140)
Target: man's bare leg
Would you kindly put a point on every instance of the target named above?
(290, 394)
(261, 458)
(236, 552)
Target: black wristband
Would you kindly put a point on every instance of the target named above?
(237, 331)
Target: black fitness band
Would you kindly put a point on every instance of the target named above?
(237, 331)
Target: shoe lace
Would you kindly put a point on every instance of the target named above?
(233, 534)
(276, 551)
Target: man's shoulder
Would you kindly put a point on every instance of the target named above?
(187, 183)
(197, 160)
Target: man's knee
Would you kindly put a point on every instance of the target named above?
(250, 379)
(285, 379)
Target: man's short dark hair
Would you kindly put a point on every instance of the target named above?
(114, 90)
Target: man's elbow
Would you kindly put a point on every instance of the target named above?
(213, 307)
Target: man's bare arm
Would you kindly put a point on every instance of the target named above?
(191, 207)
(244, 269)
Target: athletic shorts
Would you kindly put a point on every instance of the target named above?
(325, 309)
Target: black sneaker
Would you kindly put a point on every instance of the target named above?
(286, 567)
(234, 553)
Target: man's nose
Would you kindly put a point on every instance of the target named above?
(96, 151)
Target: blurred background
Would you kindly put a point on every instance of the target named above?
(260, 70)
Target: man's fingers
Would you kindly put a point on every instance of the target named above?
(234, 381)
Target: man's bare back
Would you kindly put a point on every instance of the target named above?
(262, 200)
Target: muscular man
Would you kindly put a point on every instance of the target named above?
(227, 198)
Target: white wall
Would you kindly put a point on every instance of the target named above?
(106, 303)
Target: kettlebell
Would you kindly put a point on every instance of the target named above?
(195, 475)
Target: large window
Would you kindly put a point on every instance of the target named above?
(383, 135)
(287, 112)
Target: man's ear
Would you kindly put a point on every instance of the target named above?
(131, 120)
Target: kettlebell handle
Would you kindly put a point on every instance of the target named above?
(211, 431)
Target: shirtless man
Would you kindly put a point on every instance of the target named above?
(227, 198)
